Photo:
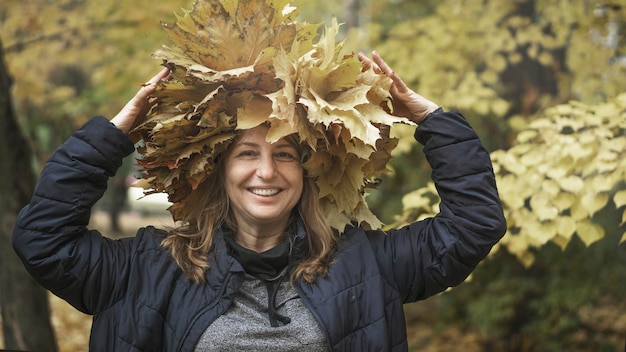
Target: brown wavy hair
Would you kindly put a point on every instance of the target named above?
(190, 243)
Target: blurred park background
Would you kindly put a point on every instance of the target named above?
(543, 82)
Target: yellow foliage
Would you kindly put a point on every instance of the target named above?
(109, 42)
(444, 52)
(566, 166)
(579, 166)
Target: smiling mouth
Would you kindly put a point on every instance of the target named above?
(265, 192)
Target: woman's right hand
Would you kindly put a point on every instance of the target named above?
(134, 112)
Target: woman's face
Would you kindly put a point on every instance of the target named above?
(263, 181)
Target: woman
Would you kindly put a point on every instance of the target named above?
(275, 276)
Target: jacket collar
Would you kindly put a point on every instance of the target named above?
(221, 259)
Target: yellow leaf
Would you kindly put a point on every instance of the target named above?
(499, 63)
(617, 144)
(521, 149)
(542, 232)
(589, 232)
(415, 199)
(527, 259)
(512, 164)
(551, 188)
(526, 136)
(565, 227)
(564, 200)
(578, 211)
(603, 183)
(594, 202)
(542, 207)
(558, 171)
(561, 241)
(571, 184)
(620, 198)
(482, 106)
(500, 107)
(579, 150)
(518, 246)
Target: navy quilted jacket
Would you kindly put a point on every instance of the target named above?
(141, 301)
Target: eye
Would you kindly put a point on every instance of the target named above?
(246, 153)
(286, 156)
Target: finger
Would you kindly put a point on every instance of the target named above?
(152, 101)
(365, 61)
(399, 84)
(150, 86)
(381, 63)
(368, 63)
(161, 76)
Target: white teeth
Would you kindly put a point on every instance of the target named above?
(265, 192)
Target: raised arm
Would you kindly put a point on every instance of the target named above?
(51, 235)
(429, 256)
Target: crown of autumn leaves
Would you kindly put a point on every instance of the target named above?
(240, 63)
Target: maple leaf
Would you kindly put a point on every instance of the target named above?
(254, 113)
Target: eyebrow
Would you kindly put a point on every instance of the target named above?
(278, 145)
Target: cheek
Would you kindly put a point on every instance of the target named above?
(233, 176)
(298, 181)
(235, 171)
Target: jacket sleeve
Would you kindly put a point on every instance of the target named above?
(429, 256)
(51, 235)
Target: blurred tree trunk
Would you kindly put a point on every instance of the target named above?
(351, 10)
(25, 309)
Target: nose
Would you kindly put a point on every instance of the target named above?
(266, 167)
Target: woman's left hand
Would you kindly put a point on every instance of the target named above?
(406, 102)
